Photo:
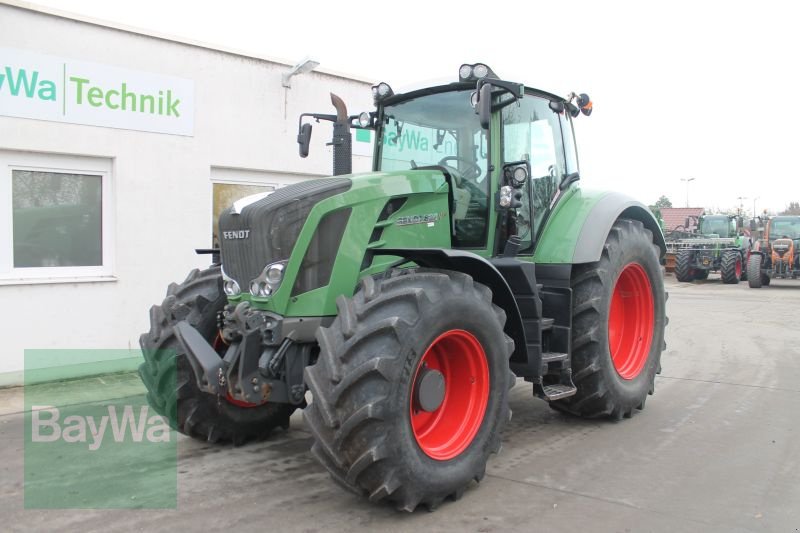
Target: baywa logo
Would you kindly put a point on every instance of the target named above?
(25, 83)
(48, 426)
(95, 442)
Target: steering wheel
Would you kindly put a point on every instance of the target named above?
(471, 172)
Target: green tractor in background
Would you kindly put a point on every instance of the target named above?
(720, 246)
(408, 300)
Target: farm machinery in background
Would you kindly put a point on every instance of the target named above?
(775, 255)
(719, 245)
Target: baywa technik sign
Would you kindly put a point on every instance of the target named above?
(65, 90)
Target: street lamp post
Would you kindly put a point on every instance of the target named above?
(688, 181)
(754, 205)
(741, 203)
(306, 65)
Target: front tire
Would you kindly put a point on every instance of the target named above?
(754, 276)
(378, 429)
(683, 269)
(731, 267)
(171, 386)
(617, 325)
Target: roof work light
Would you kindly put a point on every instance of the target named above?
(477, 71)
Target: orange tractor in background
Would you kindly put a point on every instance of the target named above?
(776, 255)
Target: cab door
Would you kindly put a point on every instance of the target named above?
(532, 132)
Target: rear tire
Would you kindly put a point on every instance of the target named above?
(367, 431)
(618, 302)
(754, 276)
(683, 270)
(731, 267)
(169, 378)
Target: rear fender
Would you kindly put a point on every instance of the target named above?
(576, 231)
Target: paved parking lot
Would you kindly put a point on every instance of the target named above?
(716, 449)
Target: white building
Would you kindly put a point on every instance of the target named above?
(116, 148)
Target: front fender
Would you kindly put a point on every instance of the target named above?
(577, 229)
(481, 271)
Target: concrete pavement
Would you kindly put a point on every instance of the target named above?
(716, 449)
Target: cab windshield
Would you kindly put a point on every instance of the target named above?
(442, 129)
(785, 228)
(715, 226)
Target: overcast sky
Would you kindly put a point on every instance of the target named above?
(704, 89)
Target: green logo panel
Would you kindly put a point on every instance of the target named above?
(95, 442)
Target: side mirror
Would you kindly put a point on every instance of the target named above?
(485, 106)
(585, 103)
(304, 139)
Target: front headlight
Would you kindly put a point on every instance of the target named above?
(260, 288)
(275, 273)
(229, 285)
(269, 280)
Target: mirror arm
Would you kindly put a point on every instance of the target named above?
(317, 117)
(568, 180)
(484, 88)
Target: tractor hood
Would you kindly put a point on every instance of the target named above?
(256, 232)
(306, 231)
(782, 246)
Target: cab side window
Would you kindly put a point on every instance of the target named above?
(533, 132)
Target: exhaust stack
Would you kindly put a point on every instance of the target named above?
(342, 143)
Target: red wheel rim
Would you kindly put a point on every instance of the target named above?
(630, 321)
(447, 431)
(738, 268)
(220, 347)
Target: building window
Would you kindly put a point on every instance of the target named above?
(56, 211)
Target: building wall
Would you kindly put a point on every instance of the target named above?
(245, 129)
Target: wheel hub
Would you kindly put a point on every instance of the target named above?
(429, 390)
(450, 391)
(631, 321)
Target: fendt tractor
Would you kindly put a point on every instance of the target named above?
(777, 254)
(402, 304)
(720, 246)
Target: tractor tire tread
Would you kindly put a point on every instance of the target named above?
(728, 263)
(169, 379)
(355, 380)
(601, 392)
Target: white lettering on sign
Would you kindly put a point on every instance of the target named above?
(241, 234)
(65, 90)
(90, 431)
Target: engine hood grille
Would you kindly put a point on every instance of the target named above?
(266, 230)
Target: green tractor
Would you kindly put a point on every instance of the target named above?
(408, 300)
(721, 246)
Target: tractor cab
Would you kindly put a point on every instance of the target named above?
(720, 226)
(784, 227)
(529, 151)
(511, 154)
